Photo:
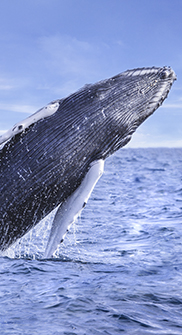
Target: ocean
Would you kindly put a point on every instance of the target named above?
(119, 269)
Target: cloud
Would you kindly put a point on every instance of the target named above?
(147, 140)
(11, 84)
(67, 54)
(69, 62)
(5, 87)
(28, 109)
(172, 106)
(6, 84)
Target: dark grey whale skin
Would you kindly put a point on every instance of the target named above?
(43, 165)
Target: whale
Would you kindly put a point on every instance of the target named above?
(53, 159)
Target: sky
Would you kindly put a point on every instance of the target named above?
(51, 48)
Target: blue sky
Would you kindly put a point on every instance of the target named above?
(50, 48)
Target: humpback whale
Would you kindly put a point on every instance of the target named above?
(54, 158)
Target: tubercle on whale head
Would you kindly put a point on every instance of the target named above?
(167, 72)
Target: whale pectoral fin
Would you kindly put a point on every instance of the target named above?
(21, 126)
(68, 212)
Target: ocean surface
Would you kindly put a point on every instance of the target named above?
(119, 269)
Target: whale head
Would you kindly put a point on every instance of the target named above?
(120, 104)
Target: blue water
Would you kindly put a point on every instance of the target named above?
(119, 269)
